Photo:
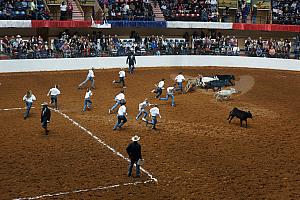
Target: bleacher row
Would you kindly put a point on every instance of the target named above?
(74, 45)
(245, 11)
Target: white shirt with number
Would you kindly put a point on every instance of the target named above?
(154, 111)
(88, 94)
(122, 110)
(179, 78)
(119, 97)
(161, 84)
(91, 74)
(143, 105)
(30, 99)
(122, 74)
(54, 91)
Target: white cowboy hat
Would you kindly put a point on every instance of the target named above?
(19, 36)
(135, 138)
(44, 104)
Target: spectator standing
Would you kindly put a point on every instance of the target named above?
(254, 13)
(134, 152)
(63, 11)
(45, 117)
(53, 93)
(28, 99)
(70, 10)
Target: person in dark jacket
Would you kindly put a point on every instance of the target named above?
(134, 152)
(45, 116)
(131, 62)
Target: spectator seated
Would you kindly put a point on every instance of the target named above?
(184, 10)
(135, 10)
(286, 12)
(23, 9)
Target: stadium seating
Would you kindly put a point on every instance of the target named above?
(23, 9)
(190, 10)
(286, 12)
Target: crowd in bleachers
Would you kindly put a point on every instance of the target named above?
(286, 12)
(97, 44)
(34, 47)
(23, 9)
(215, 44)
(272, 48)
(190, 10)
(133, 10)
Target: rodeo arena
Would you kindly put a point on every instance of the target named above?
(150, 99)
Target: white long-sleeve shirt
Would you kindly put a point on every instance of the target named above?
(88, 94)
(54, 91)
(122, 74)
(154, 111)
(143, 105)
(119, 97)
(161, 84)
(30, 99)
(91, 74)
(170, 90)
(179, 78)
(122, 110)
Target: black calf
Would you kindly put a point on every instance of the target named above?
(242, 115)
(216, 84)
(229, 78)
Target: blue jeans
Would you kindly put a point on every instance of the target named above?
(28, 106)
(116, 105)
(153, 122)
(54, 100)
(131, 166)
(167, 98)
(179, 86)
(88, 79)
(121, 121)
(158, 92)
(253, 19)
(140, 113)
(87, 103)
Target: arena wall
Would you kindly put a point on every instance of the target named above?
(146, 61)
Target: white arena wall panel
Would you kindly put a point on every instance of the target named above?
(28, 65)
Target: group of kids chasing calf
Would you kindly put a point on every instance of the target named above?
(119, 99)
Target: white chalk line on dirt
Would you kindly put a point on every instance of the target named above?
(101, 142)
(84, 190)
(9, 109)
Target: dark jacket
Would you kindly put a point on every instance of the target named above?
(134, 151)
(46, 114)
(130, 60)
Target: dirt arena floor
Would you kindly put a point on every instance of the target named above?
(194, 154)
